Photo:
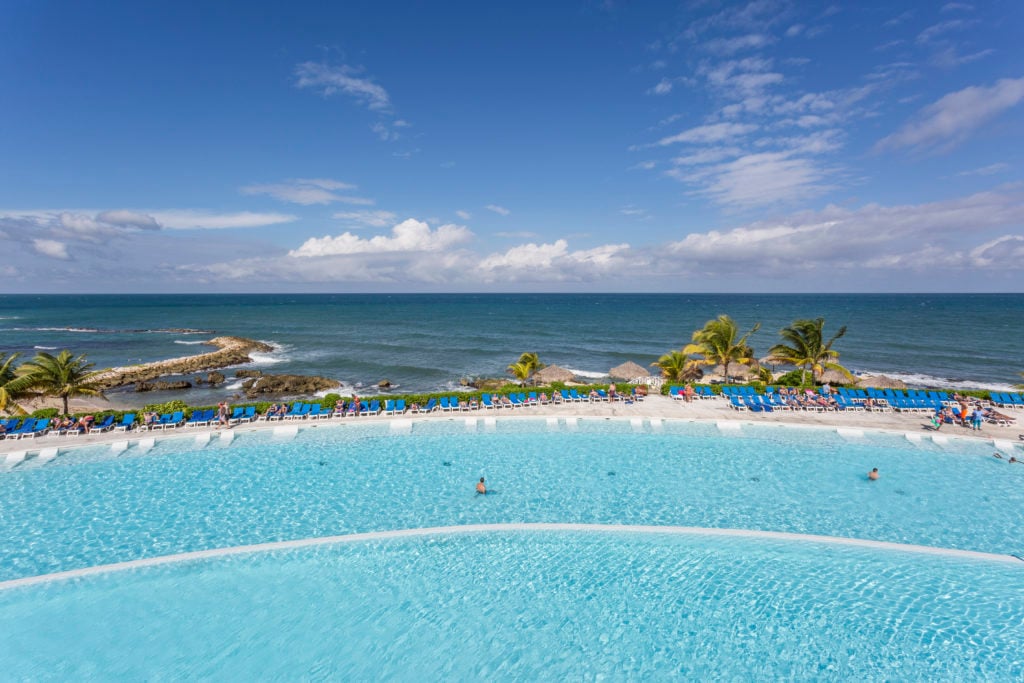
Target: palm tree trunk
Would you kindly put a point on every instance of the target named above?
(65, 403)
(726, 371)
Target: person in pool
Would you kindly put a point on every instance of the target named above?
(873, 474)
(481, 487)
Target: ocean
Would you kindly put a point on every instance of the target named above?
(429, 342)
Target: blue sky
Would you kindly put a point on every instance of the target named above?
(468, 146)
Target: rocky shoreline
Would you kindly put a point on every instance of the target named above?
(230, 351)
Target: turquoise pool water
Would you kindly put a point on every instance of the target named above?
(529, 606)
(89, 507)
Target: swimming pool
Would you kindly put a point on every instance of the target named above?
(530, 605)
(90, 506)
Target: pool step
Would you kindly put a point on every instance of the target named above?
(118, 447)
(850, 434)
(490, 424)
(47, 454)
(146, 445)
(282, 433)
(15, 457)
(636, 424)
(401, 426)
(572, 423)
(728, 426)
(552, 424)
(913, 438)
(1004, 445)
(470, 424)
(940, 439)
(656, 424)
(202, 439)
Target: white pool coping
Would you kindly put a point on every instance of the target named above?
(217, 553)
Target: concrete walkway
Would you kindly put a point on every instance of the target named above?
(663, 407)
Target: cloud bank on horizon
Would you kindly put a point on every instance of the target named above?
(764, 145)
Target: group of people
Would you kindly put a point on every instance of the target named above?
(968, 415)
(72, 424)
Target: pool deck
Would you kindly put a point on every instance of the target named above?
(1005, 438)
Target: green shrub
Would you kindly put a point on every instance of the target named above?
(46, 412)
(163, 408)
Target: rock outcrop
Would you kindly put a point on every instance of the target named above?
(230, 351)
(162, 386)
(287, 385)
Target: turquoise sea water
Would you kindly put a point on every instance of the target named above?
(429, 342)
(532, 606)
(91, 507)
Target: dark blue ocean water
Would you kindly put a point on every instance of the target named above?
(430, 341)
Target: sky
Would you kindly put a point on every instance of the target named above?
(572, 146)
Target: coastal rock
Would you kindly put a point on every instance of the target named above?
(230, 351)
(297, 385)
(162, 386)
(248, 373)
(384, 384)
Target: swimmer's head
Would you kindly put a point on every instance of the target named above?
(481, 480)
(874, 469)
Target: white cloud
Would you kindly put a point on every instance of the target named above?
(202, 220)
(760, 179)
(710, 133)
(957, 6)
(709, 155)
(728, 46)
(795, 30)
(835, 239)
(519, 234)
(498, 209)
(986, 170)
(663, 87)
(329, 80)
(955, 116)
(408, 236)
(375, 219)
(464, 215)
(643, 166)
(741, 78)
(551, 262)
(936, 30)
(52, 248)
(307, 191)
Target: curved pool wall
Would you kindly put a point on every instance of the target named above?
(530, 605)
(91, 506)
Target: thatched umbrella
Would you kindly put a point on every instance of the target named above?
(628, 371)
(833, 377)
(736, 371)
(553, 373)
(880, 382)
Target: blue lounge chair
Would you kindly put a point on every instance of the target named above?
(445, 407)
(453, 404)
(105, 425)
(27, 426)
(400, 406)
(374, 407)
(431, 406)
(485, 400)
(127, 422)
(389, 407)
(516, 403)
(40, 428)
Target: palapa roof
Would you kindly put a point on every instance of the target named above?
(736, 371)
(834, 377)
(553, 373)
(628, 371)
(880, 382)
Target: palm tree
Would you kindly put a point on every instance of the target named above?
(527, 364)
(7, 375)
(521, 371)
(808, 350)
(717, 344)
(63, 375)
(676, 367)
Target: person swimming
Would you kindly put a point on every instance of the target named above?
(873, 474)
(481, 487)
